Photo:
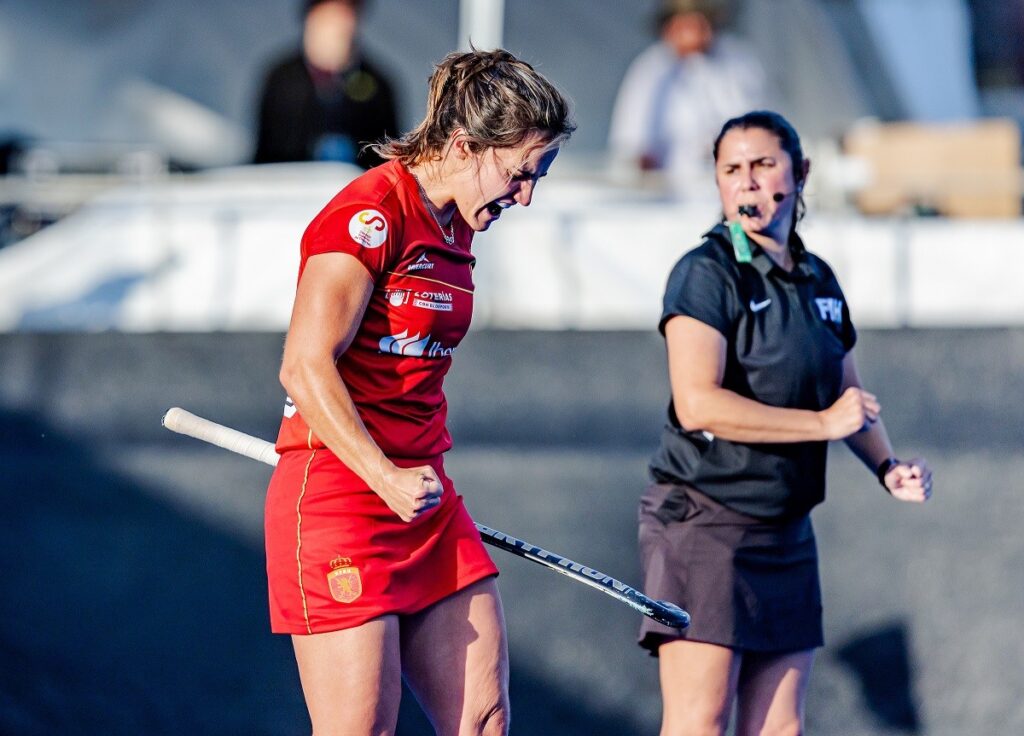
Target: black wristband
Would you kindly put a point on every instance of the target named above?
(883, 468)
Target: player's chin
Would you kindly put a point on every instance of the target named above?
(480, 225)
(485, 217)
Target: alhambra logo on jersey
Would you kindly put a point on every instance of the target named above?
(368, 228)
(414, 346)
(830, 309)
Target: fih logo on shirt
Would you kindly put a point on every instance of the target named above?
(830, 309)
(368, 228)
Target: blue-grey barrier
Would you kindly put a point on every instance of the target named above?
(133, 595)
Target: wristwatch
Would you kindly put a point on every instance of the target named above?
(883, 468)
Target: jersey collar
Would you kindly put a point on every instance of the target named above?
(805, 266)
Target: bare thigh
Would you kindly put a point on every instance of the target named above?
(455, 660)
(698, 686)
(352, 679)
(771, 695)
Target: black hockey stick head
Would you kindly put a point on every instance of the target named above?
(670, 614)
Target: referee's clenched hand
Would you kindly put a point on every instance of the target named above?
(855, 410)
(409, 492)
(909, 480)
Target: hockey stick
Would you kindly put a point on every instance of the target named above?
(183, 422)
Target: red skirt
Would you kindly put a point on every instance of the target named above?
(337, 556)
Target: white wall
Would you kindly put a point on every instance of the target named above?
(220, 252)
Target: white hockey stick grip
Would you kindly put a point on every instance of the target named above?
(183, 422)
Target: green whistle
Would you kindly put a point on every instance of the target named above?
(740, 244)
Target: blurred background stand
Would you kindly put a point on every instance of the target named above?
(968, 169)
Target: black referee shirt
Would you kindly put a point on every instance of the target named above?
(787, 335)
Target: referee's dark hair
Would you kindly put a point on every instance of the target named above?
(788, 140)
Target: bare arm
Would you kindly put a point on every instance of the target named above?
(872, 445)
(696, 361)
(329, 305)
(906, 481)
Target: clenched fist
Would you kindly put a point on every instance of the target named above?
(855, 410)
(909, 481)
(410, 492)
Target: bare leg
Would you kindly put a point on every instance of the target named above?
(771, 694)
(455, 660)
(352, 679)
(698, 686)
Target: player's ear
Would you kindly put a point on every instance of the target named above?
(461, 145)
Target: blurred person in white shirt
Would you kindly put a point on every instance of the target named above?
(677, 93)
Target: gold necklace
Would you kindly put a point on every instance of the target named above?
(449, 237)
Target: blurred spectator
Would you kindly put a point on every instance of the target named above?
(677, 93)
(326, 101)
(11, 147)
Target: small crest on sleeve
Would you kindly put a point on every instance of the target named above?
(368, 228)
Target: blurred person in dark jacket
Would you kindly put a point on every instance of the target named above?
(327, 100)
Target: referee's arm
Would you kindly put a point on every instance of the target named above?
(696, 363)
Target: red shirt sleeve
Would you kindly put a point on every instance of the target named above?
(367, 232)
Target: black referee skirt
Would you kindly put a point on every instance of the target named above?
(748, 584)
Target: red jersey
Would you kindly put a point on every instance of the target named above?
(418, 313)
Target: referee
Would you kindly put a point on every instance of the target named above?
(762, 372)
